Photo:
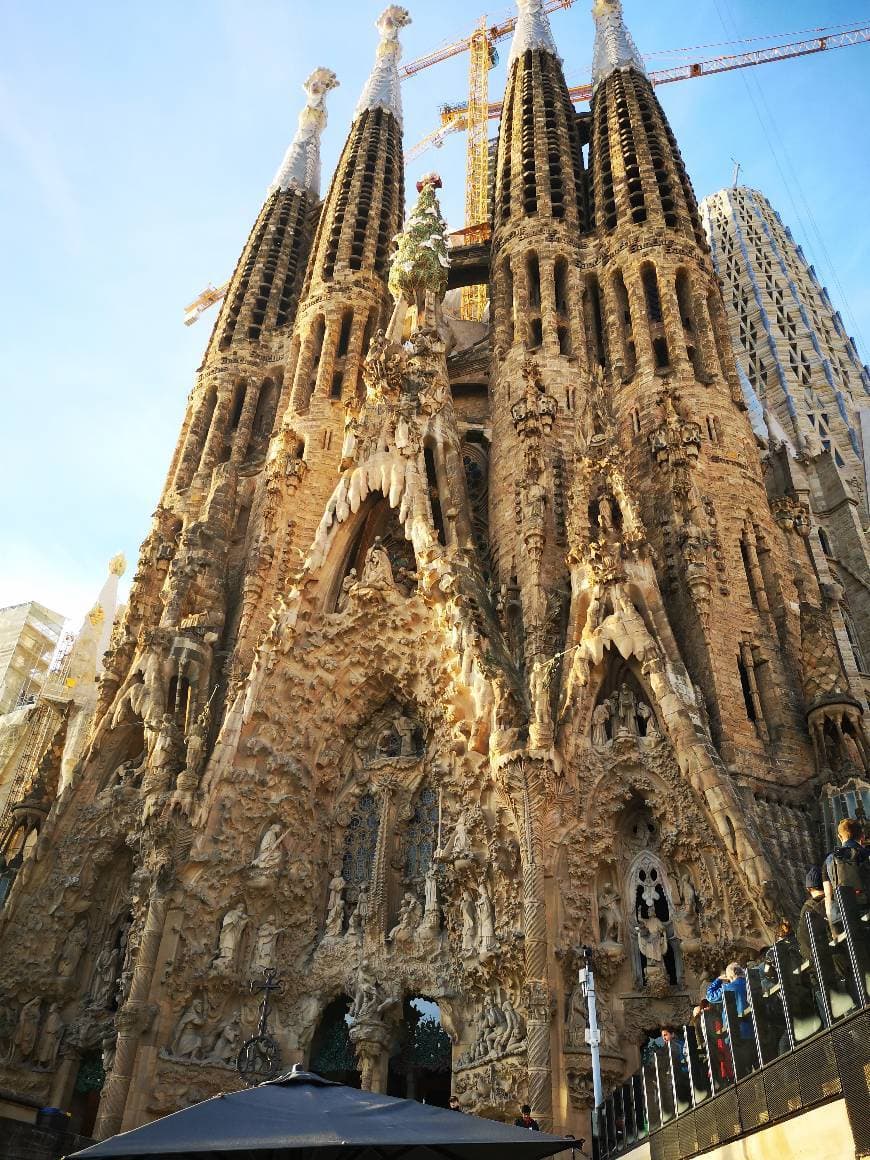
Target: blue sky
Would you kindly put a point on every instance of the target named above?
(136, 144)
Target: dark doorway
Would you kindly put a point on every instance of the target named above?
(332, 1054)
(420, 1067)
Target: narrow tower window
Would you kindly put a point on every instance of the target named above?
(594, 324)
(623, 315)
(689, 319)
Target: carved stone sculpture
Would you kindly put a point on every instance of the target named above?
(24, 1037)
(71, 951)
(610, 916)
(410, 916)
(232, 927)
(270, 854)
(226, 1046)
(104, 977)
(600, 718)
(187, 1041)
(486, 922)
(335, 907)
(469, 928)
(265, 947)
(49, 1038)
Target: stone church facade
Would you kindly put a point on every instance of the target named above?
(453, 648)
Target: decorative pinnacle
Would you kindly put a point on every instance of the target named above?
(118, 564)
(300, 168)
(383, 89)
(614, 45)
(532, 31)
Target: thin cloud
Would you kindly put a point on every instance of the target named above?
(41, 161)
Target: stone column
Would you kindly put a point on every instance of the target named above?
(528, 791)
(65, 1077)
(217, 432)
(242, 435)
(132, 1019)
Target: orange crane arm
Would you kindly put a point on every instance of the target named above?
(496, 32)
(452, 120)
(720, 64)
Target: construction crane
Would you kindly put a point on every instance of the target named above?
(474, 113)
(202, 302)
(484, 57)
(453, 117)
(480, 46)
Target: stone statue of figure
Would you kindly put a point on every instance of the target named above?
(404, 727)
(578, 1018)
(197, 736)
(609, 915)
(685, 915)
(369, 1002)
(360, 915)
(410, 915)
(539, 693)
(514, 1034)
(226, 1046)
(265, 946)
(646, 715)
(109, 1045)
(335, 907)
(50, 1037)
(71, 952)
(24, 1039)
(431, 887)
(605, 517)
(600, 718)
(467, 910)
(485, 920)
(377, 569)
(627, 712)
(350, 581)
(105, 974)
(652, 939)
(232, 926)
(187, 1043)
(491, 1028)
(270, 853)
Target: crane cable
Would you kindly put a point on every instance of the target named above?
(811, 229)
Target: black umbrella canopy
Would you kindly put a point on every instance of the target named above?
(303, 1117)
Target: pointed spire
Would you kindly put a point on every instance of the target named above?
(383, 89)
(300, 168)
(532, 31)
(614, 45)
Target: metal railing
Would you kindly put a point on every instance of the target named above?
(802, 1037)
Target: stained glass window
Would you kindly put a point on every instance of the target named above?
(421, 835)
(360, 841)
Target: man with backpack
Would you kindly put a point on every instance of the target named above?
(847, 868)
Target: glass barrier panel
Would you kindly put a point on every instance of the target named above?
(629, 1112)
(830, 972)
(741, 1034)
(766, 998)
(856, 939)
(804, 1014)
(718, 1050)
(613, 1143)
(641, 1114)
(651, 1089)
(662, 1063)
(699, 1071)
(680, 1074)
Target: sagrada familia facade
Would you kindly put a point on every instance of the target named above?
(454, 647)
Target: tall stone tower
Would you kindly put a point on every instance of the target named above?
(479, 646)
(804, 372)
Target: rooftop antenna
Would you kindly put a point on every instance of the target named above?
(737, 168)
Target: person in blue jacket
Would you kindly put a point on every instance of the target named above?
(734, 980)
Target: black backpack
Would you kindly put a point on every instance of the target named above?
(849, 868)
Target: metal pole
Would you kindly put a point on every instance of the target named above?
(593, 1035)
